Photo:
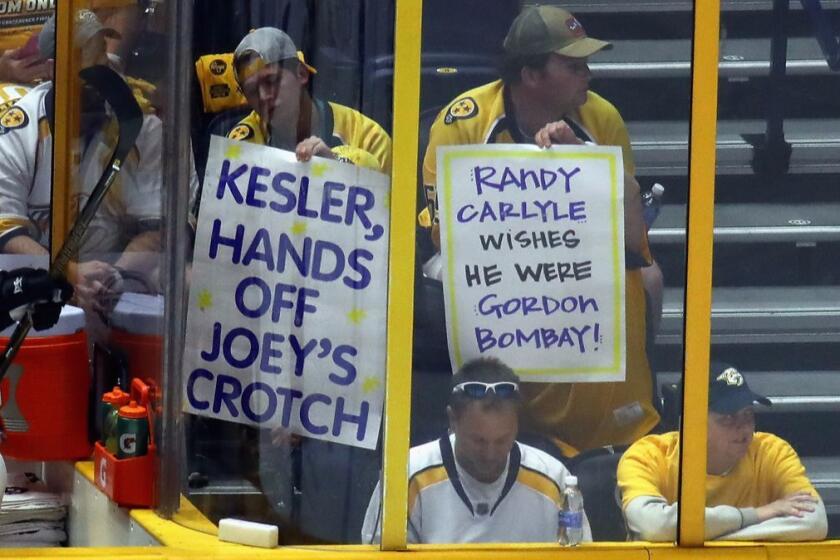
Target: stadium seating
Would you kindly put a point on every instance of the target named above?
(776, 298)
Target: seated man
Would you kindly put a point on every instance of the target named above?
(756, 488)
(125, 232)
(273, 77)
(478, 484)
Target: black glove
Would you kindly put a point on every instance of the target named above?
(22, 287)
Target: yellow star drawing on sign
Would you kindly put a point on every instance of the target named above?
(318, 169)
(205, 299)
(356, 315)
(233, 151)
(370, 383)
(298, 227)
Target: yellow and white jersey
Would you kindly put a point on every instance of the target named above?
(10, 93)
(351, 136)
(26, 168)
(447, 505)
(133, 203)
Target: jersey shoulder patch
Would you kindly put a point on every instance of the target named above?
(12, 119)
(241, 131)
(464, 108)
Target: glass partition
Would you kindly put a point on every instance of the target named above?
(775, 277)
(83, 195)
(284, 359)
(515, 262)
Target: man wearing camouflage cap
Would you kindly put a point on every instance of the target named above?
(543, 98)
(273, 76)
(756, 486)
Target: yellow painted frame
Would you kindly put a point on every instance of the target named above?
(183, 543)
(397, 417)
(698, 288)
(66, 126)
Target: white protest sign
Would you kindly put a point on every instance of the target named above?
(288, 295)
(533, 258)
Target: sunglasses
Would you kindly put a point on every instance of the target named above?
(479, 389)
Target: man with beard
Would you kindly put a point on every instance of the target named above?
(543, 98)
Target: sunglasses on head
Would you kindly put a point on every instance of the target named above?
(479, 389)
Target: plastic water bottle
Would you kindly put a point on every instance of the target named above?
(570, 516)
(652, 203)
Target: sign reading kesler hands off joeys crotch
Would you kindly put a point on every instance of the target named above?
(533, 249)
(288, 295)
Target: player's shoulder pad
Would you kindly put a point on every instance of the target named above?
(463, 108)
(13, 118)
(241, 131)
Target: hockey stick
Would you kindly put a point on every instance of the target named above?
(117, 94)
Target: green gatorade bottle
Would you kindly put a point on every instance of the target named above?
(132, 431)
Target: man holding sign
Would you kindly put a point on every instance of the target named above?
(273, 76)
(543, 98)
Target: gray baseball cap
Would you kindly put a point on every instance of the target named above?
(271, 45)
(85, 26)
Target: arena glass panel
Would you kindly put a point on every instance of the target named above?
(296, 268)
(775, 277)
(91, 89)
(511, 285)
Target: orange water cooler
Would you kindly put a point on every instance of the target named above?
(45, 393)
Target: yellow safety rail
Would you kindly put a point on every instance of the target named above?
(698, 288)
(406, 121)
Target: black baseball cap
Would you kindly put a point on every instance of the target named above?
(728, 390)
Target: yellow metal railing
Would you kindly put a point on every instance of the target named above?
(698, 287)
(406, 120)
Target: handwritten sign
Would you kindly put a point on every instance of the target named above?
(533, 258)
(287, 302)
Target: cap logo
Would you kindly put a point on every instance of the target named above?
(575, 27)
(732, 377)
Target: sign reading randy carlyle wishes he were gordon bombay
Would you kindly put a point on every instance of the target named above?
(287, 301)
(533, 250)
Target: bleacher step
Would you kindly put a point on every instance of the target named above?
(760, 315)
(661, 147)
(755, 223)
(671, 58)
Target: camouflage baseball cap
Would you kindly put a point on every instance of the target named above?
(85, 26)
(546, 29)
